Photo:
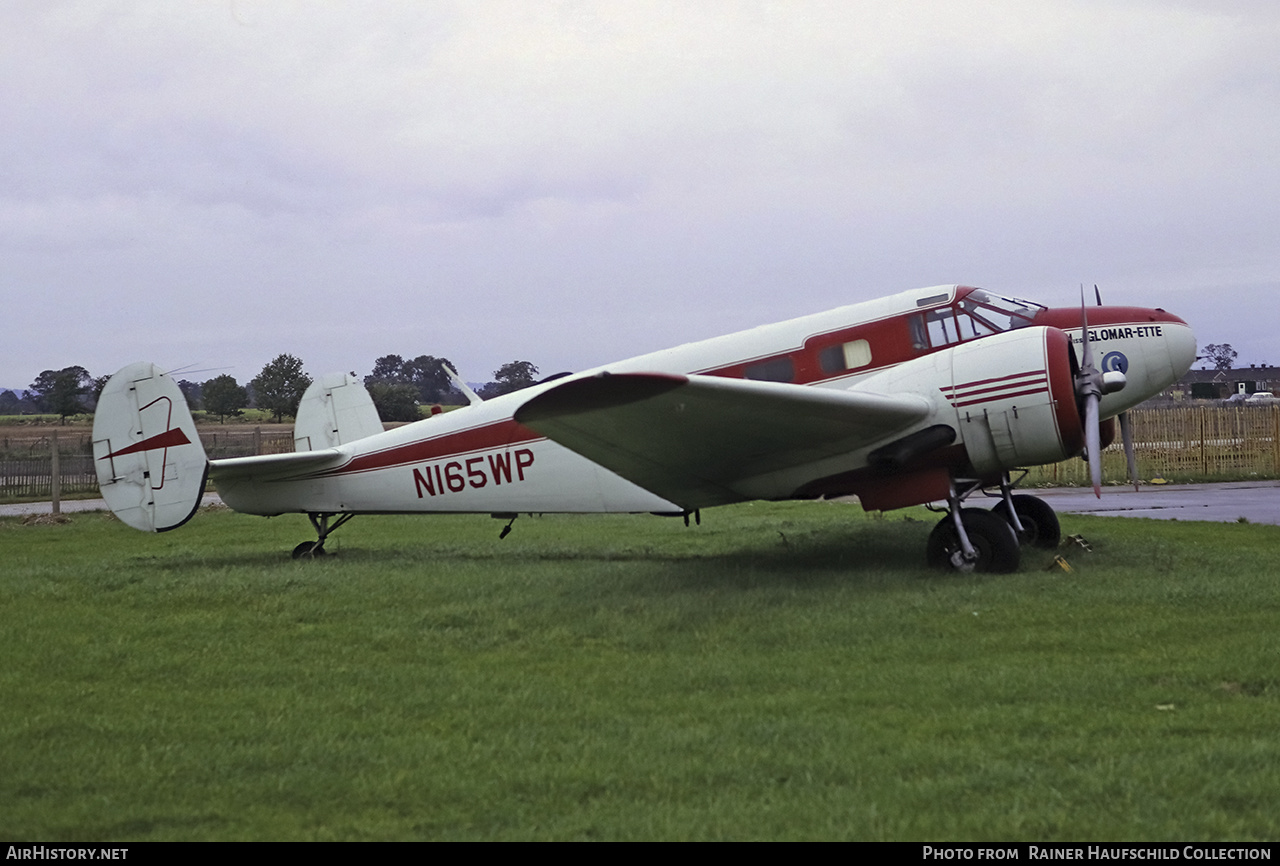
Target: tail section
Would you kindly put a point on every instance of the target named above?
(151, 465)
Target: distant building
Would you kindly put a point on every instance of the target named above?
(1210, 384)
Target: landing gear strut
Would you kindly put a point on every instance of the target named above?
(312, 549)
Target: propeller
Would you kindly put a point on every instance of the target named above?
(1091, 383)
(1126, 425)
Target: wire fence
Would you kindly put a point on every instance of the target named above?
(1185, 443)
(26, 465)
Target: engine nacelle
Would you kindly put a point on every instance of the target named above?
(1010, 398)
(1015, 402)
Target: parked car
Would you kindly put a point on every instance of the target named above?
(1235, 400)
(1261, 398)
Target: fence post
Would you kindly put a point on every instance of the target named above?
(257, 440)
(55, 475)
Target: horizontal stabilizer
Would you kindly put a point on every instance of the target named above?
(692, 439)
(271, 467)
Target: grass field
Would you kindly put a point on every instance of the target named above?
(784, 671)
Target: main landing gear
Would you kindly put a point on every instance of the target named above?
(974, 539)
(312, 549)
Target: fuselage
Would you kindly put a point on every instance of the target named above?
(931, 341)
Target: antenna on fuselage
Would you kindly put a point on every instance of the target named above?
(472, 397)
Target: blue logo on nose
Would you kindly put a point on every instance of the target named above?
(1115, 362)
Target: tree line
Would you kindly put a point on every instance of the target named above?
(399, 388)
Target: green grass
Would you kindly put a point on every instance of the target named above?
(784, 671)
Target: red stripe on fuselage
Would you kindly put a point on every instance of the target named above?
(168, 439)
(486, 437)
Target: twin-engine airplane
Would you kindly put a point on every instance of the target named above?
(925, 396)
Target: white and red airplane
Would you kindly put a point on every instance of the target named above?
(924, 396)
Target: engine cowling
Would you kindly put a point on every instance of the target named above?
(1014, 399)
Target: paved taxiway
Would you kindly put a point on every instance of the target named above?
(1255, 501)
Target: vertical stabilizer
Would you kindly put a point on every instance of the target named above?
(335, 409)
(151, 465)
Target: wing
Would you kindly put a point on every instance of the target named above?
(693, 439)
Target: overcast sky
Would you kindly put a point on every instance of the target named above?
(208, 183)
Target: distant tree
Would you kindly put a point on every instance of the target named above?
(223, 396)
(95, 389)
(395, 401)
(61, 392)
(10, 403)
(510, 377)
(280, 385)
(425, 372)
(190, 390)
(434, 385)
(1221, 355)
(388, 368)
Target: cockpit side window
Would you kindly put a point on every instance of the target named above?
(942, 328)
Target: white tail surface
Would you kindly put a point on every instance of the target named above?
(335, 409)
(151, 465)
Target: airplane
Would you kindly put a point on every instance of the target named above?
(925, 396)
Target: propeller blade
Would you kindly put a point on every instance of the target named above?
(1086, 352)
(1097, 294)
(1131, 458)
(1089, 386)
(1093, 442)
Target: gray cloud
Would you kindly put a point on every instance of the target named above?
(222, 181)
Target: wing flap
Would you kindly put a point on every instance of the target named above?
(692, 439)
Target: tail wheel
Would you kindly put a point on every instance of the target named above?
(992, 538)
(1040, 526)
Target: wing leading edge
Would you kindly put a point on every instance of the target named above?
(694, 439)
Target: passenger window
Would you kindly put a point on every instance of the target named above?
(773, 370)
(857, 353)
(845, 356)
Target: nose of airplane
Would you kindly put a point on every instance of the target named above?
(1180, 346)
(1152, 347)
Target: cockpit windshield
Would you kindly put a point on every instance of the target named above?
(994, 313)
(977, 314)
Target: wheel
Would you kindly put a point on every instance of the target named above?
(1040, 526)
(992, 539)
(308, 550)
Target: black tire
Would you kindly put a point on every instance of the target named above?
(992, 538)
(1040, 527)
(308, 550)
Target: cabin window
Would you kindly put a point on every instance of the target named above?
(845, 356)
(773, 370)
